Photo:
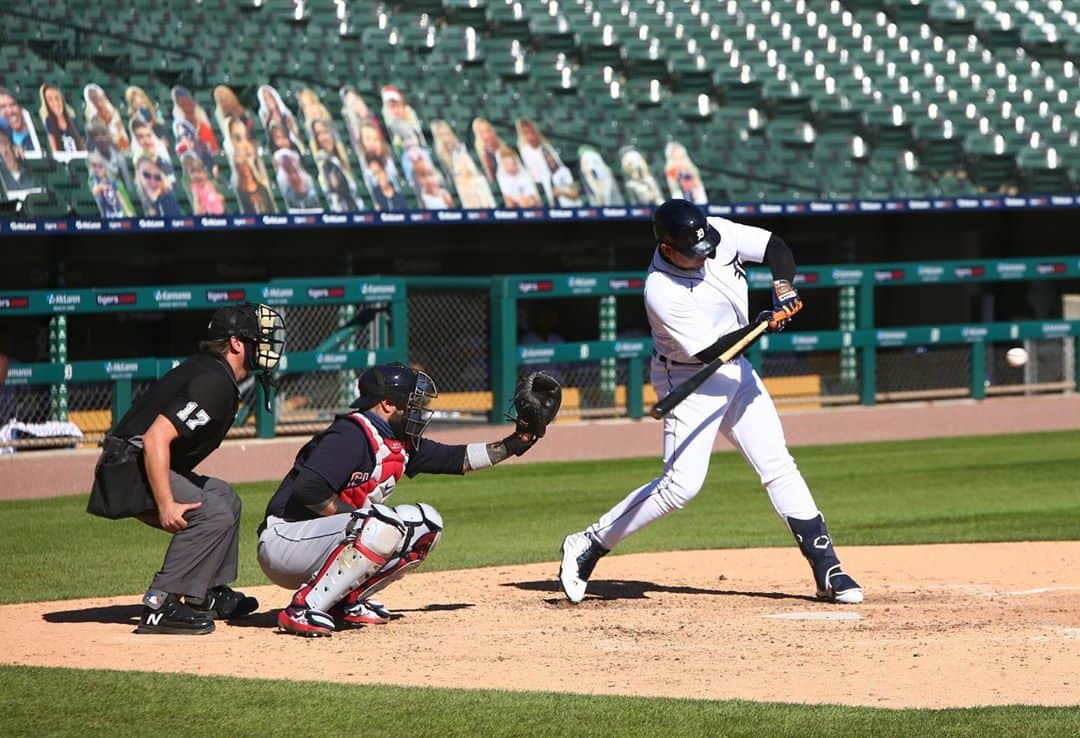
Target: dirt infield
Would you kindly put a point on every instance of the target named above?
(942, 626)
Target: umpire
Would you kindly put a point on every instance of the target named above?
(145, 471)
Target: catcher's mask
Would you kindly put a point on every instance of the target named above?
(262, 331)
(405, 387)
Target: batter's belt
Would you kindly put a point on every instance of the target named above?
(665, 360)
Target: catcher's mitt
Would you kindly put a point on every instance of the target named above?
(536, 401)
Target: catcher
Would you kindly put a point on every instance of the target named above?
(328, 532)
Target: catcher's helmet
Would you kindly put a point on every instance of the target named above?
(682, 226)
(405, 387)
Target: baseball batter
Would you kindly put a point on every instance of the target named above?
(697, 301)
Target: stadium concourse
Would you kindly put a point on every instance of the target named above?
(37, 474)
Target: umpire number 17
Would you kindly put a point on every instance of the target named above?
(193, 415)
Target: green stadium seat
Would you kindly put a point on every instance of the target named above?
(939, 147)
(508, 20)
(645, 59)
(1041, 171)
(45, 205)
(599, 46)
(471, 13)
(737, 87)
(888, 127)
(953, 185)
(991, 164)
(786, 100)
(551, 33)
(690, 72)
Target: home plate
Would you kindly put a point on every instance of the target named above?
(816, 615)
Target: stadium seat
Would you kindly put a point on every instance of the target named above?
(45, 205)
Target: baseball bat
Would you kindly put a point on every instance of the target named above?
(682, 391)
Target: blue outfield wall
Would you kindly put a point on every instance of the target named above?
(55, 226)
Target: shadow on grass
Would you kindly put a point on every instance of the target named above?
(113, 614)
(628, 589)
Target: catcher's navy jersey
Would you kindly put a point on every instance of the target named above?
(342, 454)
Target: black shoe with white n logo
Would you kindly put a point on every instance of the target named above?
(171, 616)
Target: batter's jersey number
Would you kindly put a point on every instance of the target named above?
(193, 415)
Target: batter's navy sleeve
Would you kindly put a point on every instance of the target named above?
(781, 260)
(343, 449)
(436, 458)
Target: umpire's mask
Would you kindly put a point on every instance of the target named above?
(262, 331)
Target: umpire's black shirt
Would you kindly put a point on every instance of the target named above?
(199, 397)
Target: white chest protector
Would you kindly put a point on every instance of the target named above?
(689, 309)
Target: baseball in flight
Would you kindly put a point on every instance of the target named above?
(1016, 356)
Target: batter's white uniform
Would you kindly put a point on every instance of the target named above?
(688, 311)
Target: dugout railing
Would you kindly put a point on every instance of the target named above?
(339, 325)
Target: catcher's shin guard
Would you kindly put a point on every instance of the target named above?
(372, 537)
(423, 529)
(816, 545)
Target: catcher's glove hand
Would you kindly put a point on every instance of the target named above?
(536, 402)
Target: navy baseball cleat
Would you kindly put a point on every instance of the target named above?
(168, 615)
(580, 552)
(839, 587)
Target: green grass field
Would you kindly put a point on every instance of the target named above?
(968, 489)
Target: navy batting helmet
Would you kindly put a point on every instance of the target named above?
(403, 386)
(682, 226)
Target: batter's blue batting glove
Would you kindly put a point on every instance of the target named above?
(783, 294)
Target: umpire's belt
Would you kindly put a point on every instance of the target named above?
(666, 360)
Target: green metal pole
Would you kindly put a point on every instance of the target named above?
(635, 383)
(608, 378)
(264, 419)
(978, 370)
(848, 354)
(864, 318)
(399, 324)
(1076, 363)
(58, 354)
(121, 400)
(503, 347)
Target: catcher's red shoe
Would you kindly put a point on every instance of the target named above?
(305, 621)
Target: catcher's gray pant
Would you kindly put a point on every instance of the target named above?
(289, 553)
(204, 554)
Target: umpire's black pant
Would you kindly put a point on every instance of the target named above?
(204, 554)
